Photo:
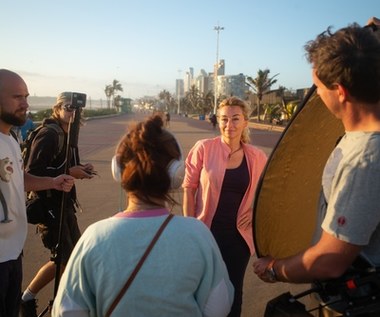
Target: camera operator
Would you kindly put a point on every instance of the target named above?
(47, 159)
(346, 72)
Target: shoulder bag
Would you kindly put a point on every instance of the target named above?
(139, 265)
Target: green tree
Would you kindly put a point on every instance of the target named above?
(208, 100)
(109, 92)
(261, 85)
(289, 102)
(281, 93)
(290, 108)
(193, 97)
(166, 98)
(172, 104)
(272, 111)
(117, 102)
(116, 86)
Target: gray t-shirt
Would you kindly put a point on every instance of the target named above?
(351, 193)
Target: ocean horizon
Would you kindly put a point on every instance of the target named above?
(38, 103)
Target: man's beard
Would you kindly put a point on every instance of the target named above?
(12, 119)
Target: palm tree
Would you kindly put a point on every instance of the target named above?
(208, 99)
(281, 93)
(109, 92)
(116, 86)
(273, 111)
(166, 97)
(172, 104)
(118, 102)
(261, 85)
(288, 104)
(193, 97)
(290, 108)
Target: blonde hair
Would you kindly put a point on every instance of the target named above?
(235, 101)
(61, 99)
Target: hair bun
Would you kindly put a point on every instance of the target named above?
(157, 120)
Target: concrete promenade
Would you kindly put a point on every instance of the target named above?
(101, 197)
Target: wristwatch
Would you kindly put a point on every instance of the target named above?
(270, 272)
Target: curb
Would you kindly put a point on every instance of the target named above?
(254, 125)
(265, 126)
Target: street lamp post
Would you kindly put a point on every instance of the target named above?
(179, 100)
(179, 91)
(217, 29)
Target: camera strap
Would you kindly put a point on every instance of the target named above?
(5, 208)
(139, 265)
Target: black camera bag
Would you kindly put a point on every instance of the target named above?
(39, 211)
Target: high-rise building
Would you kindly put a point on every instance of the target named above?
(202, 82)
(189, 79)
(227, 85)
(232, 85)
(219, 70)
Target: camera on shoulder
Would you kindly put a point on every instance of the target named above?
(78, 100)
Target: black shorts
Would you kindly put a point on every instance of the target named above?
(49, 234)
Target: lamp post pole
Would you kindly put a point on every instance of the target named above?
(179, 91)
(179, 100)
(217, 29)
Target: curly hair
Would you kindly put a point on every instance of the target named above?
(144, 155)
(349, 57)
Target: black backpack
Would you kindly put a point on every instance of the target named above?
(27, 144)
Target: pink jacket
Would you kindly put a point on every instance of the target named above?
(205, 168)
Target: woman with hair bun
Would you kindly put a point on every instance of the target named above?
(183, 275)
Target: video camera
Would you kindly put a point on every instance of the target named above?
(355, 293)
(78, 100)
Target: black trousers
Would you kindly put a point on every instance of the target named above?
(10, 287)
(236, 255)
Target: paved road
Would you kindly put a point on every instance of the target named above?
(101, 197)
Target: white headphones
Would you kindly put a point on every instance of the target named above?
(115, 169)
(176, 169)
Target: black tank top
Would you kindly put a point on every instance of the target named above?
(235, 184)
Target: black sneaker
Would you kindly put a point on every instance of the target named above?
(28, 308)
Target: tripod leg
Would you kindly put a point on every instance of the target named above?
(46, 309)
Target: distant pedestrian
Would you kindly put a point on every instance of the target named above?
(167, 122)
(213, 120)
(27, 127)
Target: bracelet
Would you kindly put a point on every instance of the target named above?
(271, 271)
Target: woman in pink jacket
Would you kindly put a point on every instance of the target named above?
(219, 186)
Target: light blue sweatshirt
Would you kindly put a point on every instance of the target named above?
(184, 275)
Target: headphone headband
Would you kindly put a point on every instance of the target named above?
(175, 168)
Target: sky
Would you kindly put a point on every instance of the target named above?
(83, 45)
